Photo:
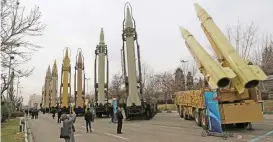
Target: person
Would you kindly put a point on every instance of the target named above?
(59, 115)
(36, 113)
(68, 129)
(88, 118)
(32, 114)
(26, 111)
(120, 119)
(53, 113)
(111, 111)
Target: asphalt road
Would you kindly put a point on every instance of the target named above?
(165, 127)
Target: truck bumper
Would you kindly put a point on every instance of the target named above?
(241, 112)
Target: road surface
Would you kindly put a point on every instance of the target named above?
(165, 127)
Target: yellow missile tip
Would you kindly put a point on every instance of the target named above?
(66, 52)
(55, 64)
(185, 33)
(198, 8)
(101, 36)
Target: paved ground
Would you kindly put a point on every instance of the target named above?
(165, 127)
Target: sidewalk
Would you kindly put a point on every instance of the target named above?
(45, 129)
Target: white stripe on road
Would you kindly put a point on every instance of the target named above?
(116, 136)
(76, 135)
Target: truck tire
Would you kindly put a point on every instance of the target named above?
(181, 112)
(185, 116)
(197, 118)
(204, 120)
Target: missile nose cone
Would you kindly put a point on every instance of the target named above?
(101, 36)
(185, 33)
(66, 53)
(55, 64)
(199, 10)
(48, 71)
(129, 21)
(54, 69)
(80, 57)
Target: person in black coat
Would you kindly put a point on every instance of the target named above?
(59, 115)
(88, 118)
(120, 119)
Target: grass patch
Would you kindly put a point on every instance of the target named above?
(170, 107)
(10, 131)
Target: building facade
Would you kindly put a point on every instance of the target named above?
(34, 101)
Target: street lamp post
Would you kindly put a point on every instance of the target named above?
(17, 90)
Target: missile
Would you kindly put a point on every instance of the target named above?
(101, 69)
(247, 75)
(54, 84)
(79, 80)
(218, 76)
(65, 87)
(47, 87)
(129, 32)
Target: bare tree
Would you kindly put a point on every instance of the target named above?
(245, 39)
(149, 81)
(166, 84)
(116, 84)
(16, 25)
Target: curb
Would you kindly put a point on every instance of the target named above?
(25, 130)
(28, 134)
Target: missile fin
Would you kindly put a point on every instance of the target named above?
(258, 72)
(212, 83)
(229, 72)
(238, 85)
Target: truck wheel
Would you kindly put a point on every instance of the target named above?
(185, 116)
(181, 113)
(204, 122)
(197, 118)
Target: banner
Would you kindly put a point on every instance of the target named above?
(213, 113)
(115, 109)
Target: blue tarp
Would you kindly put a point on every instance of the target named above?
(213, 113)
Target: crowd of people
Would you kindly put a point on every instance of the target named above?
(68, 129)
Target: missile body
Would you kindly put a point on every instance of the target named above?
(65, 87)
(79, 81)
(133, 96)
(102, 52)
(248, 76)
(47, 87)
(54, 84)
(218, 76)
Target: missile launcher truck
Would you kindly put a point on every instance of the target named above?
(101, 79)
(233, 79)
(136, 105)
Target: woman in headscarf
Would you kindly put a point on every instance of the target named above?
(68, 129)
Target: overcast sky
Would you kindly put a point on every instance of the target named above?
(76, 24)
